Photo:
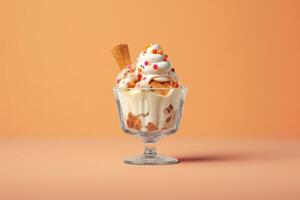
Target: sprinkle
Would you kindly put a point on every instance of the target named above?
(175, 85)
(165, 58)
(173, 70)
(144, 78)
(139, 70)
(155, 66)
(139, 76)
(160, 51)
(146, 63)
(154, 51)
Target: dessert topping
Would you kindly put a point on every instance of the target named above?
(154, 51)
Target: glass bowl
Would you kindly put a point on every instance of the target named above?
(150, 114)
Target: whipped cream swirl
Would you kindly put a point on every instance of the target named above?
(153, 65)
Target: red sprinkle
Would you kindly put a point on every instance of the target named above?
(175, 85)
(146, 63)
(154, 51)
(139, 76)
(165, 59)
(155, 66)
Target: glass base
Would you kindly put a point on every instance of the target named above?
(157, 160)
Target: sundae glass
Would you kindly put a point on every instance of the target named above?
(149, 100)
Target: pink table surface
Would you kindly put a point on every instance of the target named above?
(93, 169)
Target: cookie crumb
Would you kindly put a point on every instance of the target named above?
(151, 127)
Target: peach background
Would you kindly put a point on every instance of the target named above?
(240, 60)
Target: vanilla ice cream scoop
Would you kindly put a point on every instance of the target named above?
(127, 77)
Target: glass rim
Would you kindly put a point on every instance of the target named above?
(181, 87)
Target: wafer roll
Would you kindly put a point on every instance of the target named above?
(122, 55)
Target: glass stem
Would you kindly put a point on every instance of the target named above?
(150, 149)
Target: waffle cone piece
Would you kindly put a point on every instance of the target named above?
(122, 55)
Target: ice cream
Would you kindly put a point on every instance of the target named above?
(148, 89)
(151, 70)
(148, 111)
